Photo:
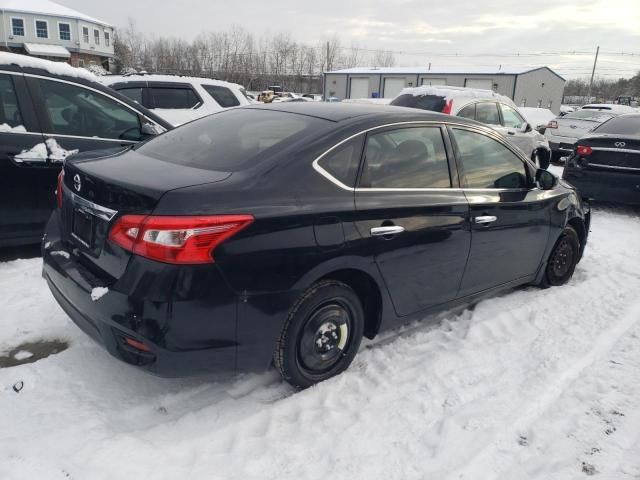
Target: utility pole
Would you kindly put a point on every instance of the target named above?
(593, 72)
(328, 62)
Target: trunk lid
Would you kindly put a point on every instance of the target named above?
(100, 188)
(614, 152)
(573, 127)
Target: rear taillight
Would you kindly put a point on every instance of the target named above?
(59, 188)
(180, 240)
(447, 107)
(583, 151)
(552, 124)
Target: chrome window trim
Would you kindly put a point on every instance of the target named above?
(99, 92)
(477, 128)
(623, 150)
(48, 135)
(613, 167)
(93, 208)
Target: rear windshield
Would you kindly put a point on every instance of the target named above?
(621, 126)
(231, 140)
(434, 103)
(590, 115)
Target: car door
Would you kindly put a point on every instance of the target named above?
(412, 221)
(26, 181)
(516, 129)
(509, 219)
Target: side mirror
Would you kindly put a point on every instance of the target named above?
(541, 129)
(151, 129)
(526, 128)
(546, 180)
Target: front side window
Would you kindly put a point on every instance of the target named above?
(10, 118)
(172, 98)
(412, 157)
(96, 37)
(85, 34)
(42, 29)
(73, 110)
(222, 95)
(64, 30)
(511, 118)
(486, 163)
(107, 39)
(487, 112)
(17, 27)
(342, 162)
(468, 112)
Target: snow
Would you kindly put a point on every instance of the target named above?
(46, 7)
(534, 384)
(111, 79)
(47, 50)
(537, 116)
(440, 70)
(98, 292)
(22, 355)
(6, 128)
(60, 253)
(39, 152)
(374, 101)
(455, 92)
(55, 68)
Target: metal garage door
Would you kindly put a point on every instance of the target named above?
(487, 84)
(393, 86)
(359, 88)
(434, 81)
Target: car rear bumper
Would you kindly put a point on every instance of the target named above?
(186, 328)
(605, 185)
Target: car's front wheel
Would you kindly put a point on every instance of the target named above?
(563, 259)
(321, 335)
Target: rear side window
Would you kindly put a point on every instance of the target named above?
(9, 112)
(173, 98)
(406, 158)
(433, 103)
(486, 163)
(73, 110)
(134, 93)
(621, 126)
(487, 112)
(232, 140)
(222, 95)
(468, 112)
(342, 162)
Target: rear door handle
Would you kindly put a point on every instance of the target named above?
(485, 219)
(511, 133)
(390, 230)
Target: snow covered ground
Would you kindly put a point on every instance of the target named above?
(535, 384)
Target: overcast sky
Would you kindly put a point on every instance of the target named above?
(424, 29)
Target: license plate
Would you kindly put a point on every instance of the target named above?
(82, 228)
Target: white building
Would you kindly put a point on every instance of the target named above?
(526, 86)
(45, 29)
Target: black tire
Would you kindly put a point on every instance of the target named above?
(563, 259)
(321, 335)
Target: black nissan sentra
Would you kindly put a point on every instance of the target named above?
(286, 233)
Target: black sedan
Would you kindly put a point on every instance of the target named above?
(286, 233)
(606, 163)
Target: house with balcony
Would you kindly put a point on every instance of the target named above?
(45, 29)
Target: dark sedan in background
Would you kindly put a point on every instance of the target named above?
(286, 233)
(606, 163)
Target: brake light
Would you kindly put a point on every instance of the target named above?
(552, 124)
(178, 240)
(59, 188)
(447, 107)
(583, 151)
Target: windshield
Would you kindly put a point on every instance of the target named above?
(590, 115)
(231, 140)
(434, 103)
(621, 126)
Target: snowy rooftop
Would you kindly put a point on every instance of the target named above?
(439, 70)
(46, 7)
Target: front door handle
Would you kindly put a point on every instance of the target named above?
(511, 132)
(383, 231)
(485, 219)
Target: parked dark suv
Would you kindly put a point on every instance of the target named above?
(285, 233)
(49, 111)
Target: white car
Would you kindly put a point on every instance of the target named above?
(484, 106)
(178, 99)
(610, 107)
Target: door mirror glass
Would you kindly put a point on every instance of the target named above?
(546, 180)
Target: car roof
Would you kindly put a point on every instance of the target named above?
(456, 92)
(342, 112)
(153, 77)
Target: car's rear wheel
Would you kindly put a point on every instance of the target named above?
(563, 259)
(321, 336)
